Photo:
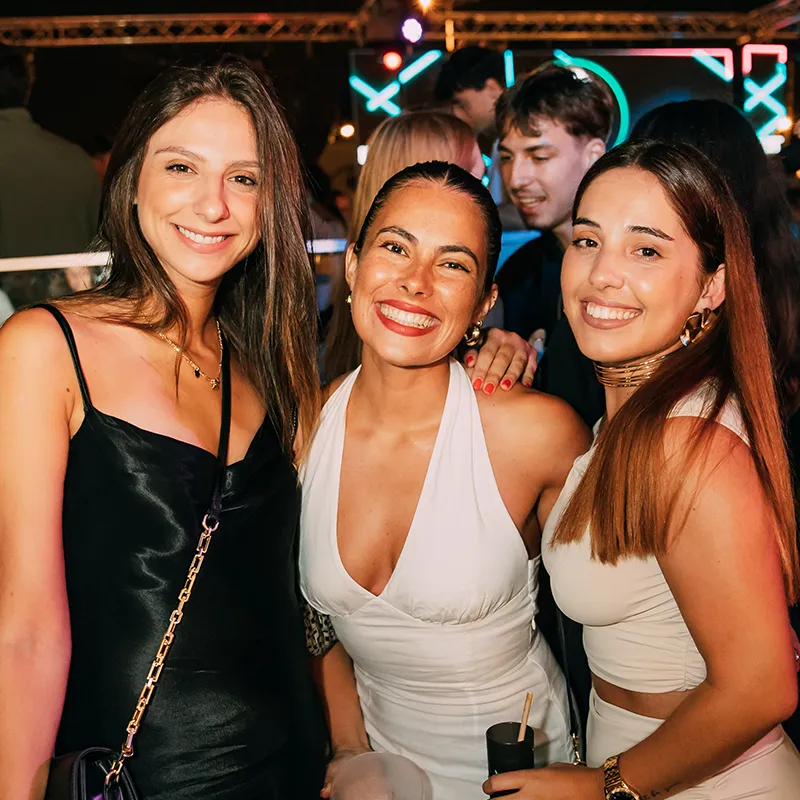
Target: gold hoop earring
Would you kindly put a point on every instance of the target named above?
(349, 299)
(473, 334)
(697, 324)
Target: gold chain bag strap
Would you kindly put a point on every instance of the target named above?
(97, 771)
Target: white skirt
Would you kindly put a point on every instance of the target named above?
(769, 770)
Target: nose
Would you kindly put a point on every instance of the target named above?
(520, 173)
(606, 272)
(417, 279)
(211, 204)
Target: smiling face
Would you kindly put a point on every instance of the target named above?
(418, 282)
(632, 275)
(542, 173)
(198, 192)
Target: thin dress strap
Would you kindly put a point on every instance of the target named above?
(73, 351)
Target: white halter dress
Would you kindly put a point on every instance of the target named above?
(449, 647)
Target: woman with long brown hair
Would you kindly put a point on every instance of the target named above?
(110, 420)
(673, 541)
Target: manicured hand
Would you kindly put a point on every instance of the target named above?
(504, 359)
(556, 782)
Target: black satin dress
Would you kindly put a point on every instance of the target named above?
(235, 715)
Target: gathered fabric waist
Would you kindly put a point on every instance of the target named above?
(394, 649)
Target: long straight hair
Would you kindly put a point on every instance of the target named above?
(265, 304)
(398, 142)
(627, 495)
(723, 134)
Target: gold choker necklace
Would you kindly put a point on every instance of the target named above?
(629, 375)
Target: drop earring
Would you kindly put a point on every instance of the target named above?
(473, 334)
(697, 324)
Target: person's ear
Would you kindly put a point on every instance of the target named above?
(487, 304)
(493, 87)
(713, 295)
(350, 265)
(595, 148)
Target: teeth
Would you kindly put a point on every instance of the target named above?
(196, 237)
(406, 317)
(605, 312)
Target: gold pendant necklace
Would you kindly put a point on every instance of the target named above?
(198, 373)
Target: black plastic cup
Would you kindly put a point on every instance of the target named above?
(505, 753)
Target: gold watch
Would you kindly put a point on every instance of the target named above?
(614, 787)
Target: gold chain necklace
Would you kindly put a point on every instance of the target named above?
(198, 373)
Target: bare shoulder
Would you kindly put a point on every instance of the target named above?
(722, 447)
(35, 364)
(33, 332)
(530, 418)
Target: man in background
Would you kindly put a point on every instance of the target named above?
(470, 83)
(49, 191)
(553, 126)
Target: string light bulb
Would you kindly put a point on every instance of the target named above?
(392, 60)
(412, 30)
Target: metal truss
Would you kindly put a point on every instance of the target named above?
(180, 28)
(780, 19)
(606, 26)
(777, 20)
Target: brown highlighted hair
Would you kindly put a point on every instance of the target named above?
(265, 304)
(721, 131)
(628, 494)
(556, 93)
(398, 142)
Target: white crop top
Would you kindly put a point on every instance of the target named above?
(634, 634)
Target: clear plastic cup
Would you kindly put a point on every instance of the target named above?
(381, 776)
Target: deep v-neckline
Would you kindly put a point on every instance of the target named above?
(341, 435)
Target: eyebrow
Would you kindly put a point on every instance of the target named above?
(447, 248)
(197, 157)
(532, 149)
(657, 232)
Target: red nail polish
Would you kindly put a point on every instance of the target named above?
(470, 360)
(506, 384)
(477, 383)
(489, 388)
